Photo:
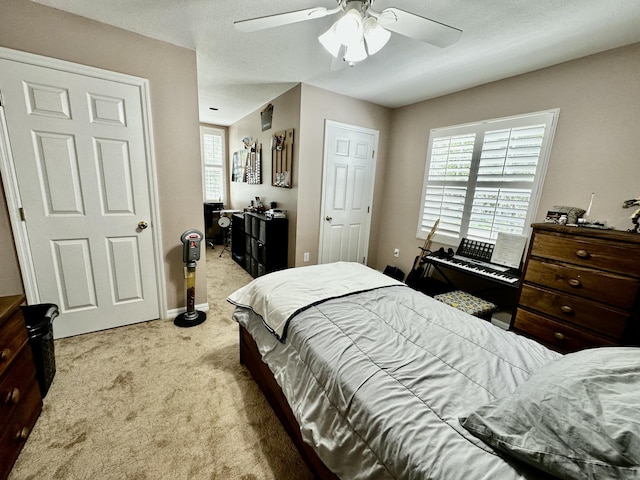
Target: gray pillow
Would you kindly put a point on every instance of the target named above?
(577, 418)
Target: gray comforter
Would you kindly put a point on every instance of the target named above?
(378, 380)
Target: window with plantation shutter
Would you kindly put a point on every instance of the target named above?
(486, 177)
(213, 164)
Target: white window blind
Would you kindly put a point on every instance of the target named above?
(486, 177)
(213, 165)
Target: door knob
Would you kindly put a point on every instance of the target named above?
(328, 218)
(142, 225)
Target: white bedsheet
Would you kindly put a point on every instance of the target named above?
(280, 295)
(377, 381)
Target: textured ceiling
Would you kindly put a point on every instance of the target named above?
(241, 72)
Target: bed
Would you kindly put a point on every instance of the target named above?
(374, 380)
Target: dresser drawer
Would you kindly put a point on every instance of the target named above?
(594, 253)
(608, 288)
(13, 335)
(559, 336)
(578, 311)
(14, 385)
(18, 427)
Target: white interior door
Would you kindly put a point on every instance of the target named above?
(349, 174)
(80, 159)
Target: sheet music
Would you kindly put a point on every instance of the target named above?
(508, 250)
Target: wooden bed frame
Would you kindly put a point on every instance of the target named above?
(250, 357)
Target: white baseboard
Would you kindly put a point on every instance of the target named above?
(501, 319)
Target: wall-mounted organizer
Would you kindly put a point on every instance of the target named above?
(282, 158)
(259, 244)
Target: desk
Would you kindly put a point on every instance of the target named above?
(212, 232)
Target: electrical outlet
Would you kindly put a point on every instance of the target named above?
(306, 256)
(396, 252)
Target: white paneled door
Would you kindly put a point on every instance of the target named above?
(349, 174)
(80, 158)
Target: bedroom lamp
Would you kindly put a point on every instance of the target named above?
(360, 36)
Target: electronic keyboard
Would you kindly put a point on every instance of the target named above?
(473, 257)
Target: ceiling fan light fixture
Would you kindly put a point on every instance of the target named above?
(355, 53)
(331, 41)
(375, 36)
(349, 28)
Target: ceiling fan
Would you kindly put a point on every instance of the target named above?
(361, 31)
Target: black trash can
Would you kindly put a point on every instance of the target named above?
(39, 321)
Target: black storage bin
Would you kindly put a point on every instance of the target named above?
(394, 272)
(39, 321)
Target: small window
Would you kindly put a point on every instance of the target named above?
(213, 164)
(486, 177)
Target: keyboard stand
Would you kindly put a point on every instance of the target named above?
(503, 295)
(439, 265)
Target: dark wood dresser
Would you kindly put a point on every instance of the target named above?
(20, 401)
(580, 288)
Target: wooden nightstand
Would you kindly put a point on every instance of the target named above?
(20, 401)
(580, 288)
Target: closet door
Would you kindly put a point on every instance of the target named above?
(81, 162)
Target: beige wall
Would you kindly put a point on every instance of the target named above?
(305, 108)
(286, 115)
(11, 283)
(317, 106)
(171, 72)
(595, 148)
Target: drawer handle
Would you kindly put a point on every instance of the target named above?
(583, 254)
(5, 354)
(22, 434)
(574, 282)
(559, 336)
(566, 309)
(13, 397)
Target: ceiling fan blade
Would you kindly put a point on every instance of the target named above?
(420, 28)
(269, 21)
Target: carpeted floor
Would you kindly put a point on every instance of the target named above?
(154, 401)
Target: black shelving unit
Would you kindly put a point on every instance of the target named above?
(259, 244)
(237, 238)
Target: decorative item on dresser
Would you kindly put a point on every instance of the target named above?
(20, 401)
(580, 288)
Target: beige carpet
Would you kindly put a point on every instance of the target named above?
(154, 401)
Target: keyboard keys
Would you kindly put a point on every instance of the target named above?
(477, 268)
